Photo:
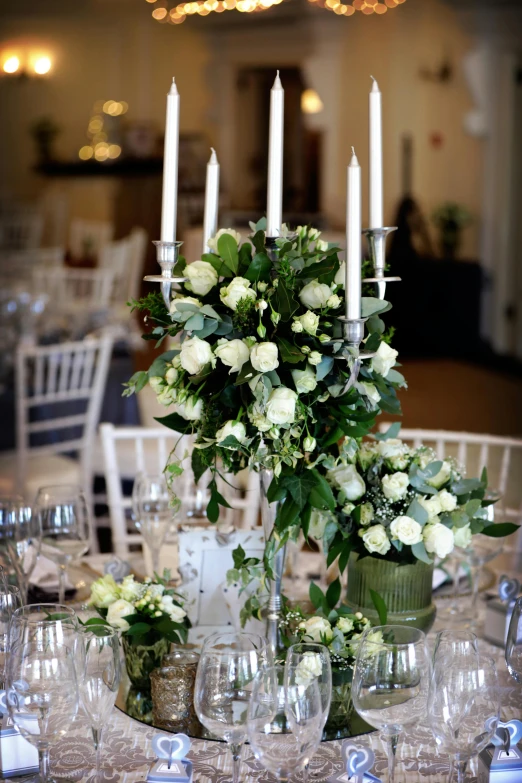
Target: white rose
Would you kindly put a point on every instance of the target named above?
(375, 637)
(195, 354)
(155, 591)
(348, 480)
(462, 536)
(407, 530)
(166, 397)
(376, 539)
(176, 612)
(305, 380)
(317, 628)
(393, 447)
(104, 592)
(333, 301)
(117, 611)
(202, 277)
(438, 539)
(314, 295)
(368, 453)
(340, 275)
(348, 508)
(297, 327)
(131, 590)
(315, 358)
(309, 667)
(442, 476)
(430, 504)
(309, 443)
(258, 419)
(345, 625)
(371, 391)
(233, 354)
(384, 359)
(317, 524)
(184, 299)
(235, 428)
(213, 242)
(309, 322)
(448, 502)
(238, 289)
(280, 408)
(395, 485)
(367, 513)
(263, 357)
(171, 376)
(191, 409)
(321, 246)
(156, 383)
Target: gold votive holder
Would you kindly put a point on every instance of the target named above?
(172, 688)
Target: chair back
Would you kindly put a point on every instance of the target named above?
(21, 231)
(52, 384)
(125, 257)
(88, 237)
(70, 289)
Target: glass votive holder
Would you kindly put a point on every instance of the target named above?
(172, 688)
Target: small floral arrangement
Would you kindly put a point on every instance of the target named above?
(402, 504)
(143, 611)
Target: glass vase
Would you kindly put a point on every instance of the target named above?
(140, 661)
(341, 707)
(405, 589)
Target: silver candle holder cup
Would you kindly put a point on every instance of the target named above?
(167, 254)
(376, 238)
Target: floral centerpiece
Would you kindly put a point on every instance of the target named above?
(150, 616)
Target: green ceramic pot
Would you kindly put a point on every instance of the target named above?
(406, 590)
(140, 660)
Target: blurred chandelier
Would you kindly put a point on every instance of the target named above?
(179, 13)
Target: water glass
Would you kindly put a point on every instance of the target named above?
(23, 537)
(46, 624)
(463, 708)
(42, 696)
(451, 645)
(65, 527)
(99, 675)
(224, 680)
(514, 642)
(310, 662)
(10, 600)
(391, 681)
(154, 510)
(6, 501)
(285, 723)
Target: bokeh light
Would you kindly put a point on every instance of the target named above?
(11, 65)
(86, 153)
(42, 65)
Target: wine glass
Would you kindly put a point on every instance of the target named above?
(514, 642)
(450, 644)
(65, 527)
(10, 600)
(45, 623)
(274, 709)
(226, 670)
(99, 675)
(463, 708)
(6, 501)
(391, 681)
(154, 509)
(23, 533)
(42, 696)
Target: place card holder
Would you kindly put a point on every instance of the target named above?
(501, 762)
(358, 762)
(171, 765)
(499, 609)
(17, 756)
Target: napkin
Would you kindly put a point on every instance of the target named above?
(45, 576)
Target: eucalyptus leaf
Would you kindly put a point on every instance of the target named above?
(208, 310)
(419, 550)
(417, 512)
(370, 305)
(392, 432)
(195, 322)
(324, 367)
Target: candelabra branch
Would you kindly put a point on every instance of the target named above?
(376, 238)
(167, 254)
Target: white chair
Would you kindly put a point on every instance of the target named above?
(501, 456)
(75, 289)
(20, 264)
(50, 379)
(88, 237)
(21, 231)
(125, 257)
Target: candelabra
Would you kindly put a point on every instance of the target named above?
(167, 254)
(377, 247)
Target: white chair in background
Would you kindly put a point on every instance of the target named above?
(21, 230)
(20, 264)
(501, 456)
(76, 289)
(88, 237)
(50, 380)
(126, 257)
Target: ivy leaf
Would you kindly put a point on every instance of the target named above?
(175, 422)
(290, 354)
(392, 432)
(322, 490)
(419, 550)
(238, 555)
(286, 304)
(259, 269)
(198, 464)
(317, 597)
(333, 593)
(380, 606)
(288, 513)
(299, 486)
(227, 249)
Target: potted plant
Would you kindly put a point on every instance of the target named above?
(450, 218)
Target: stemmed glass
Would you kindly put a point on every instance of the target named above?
(391, 681)
(45, 624)
(10, 600)
(226, 670)
(463, 708)
(154, 509)
(6, 501)
(450, 644)
(23, 532)
(99, 675)
(42, 696)
(274, 708)
(514, 642)
(65, 527)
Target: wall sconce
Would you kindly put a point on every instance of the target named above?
(27, 64)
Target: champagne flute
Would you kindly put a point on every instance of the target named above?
(224, 680)
(10, 600)
(6, 501)
(274, 709)
(42, 696)
(99, 675)
(463, 708)
(514, 642)
(65, 527)
(154, 509)
(391, 681)
(23, 539)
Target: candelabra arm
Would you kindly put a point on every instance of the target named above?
(167, 254)
(376, 238)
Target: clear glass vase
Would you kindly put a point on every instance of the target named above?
(140, 661)
(405, 589)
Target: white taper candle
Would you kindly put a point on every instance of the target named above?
(210, 220)
(169, 205)
(376, 219)
(274, 206)
(352, 286)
